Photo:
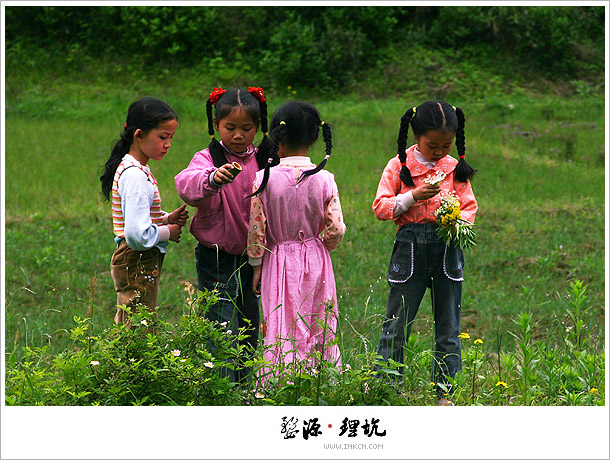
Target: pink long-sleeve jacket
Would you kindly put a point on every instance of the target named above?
(390, 186)
(222, 214)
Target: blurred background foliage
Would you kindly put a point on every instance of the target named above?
(329, 49)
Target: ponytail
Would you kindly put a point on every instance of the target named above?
(144, 114)
(463, 171)
(120, 148)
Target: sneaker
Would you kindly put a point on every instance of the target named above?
(445, 402)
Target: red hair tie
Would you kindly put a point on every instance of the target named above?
(462, 157)
(215, 95)
(257, 93)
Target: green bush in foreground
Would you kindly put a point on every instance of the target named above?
(156, 363)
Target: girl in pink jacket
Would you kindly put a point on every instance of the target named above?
(217, 182)
(420, 260)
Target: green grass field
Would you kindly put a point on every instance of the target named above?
(540, 188)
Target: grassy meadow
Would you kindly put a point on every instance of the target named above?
(540, 187)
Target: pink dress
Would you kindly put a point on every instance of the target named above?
(297, 284)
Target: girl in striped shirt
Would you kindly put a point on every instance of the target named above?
(142, 230)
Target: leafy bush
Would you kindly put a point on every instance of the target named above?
(326, 48)
(156, 363)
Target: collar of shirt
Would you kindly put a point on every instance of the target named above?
(417, 168)
(297, 161)
(423, 160)
(249, 151)
(133, 159)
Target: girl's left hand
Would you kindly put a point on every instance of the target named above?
(256, 279)
(179, 216)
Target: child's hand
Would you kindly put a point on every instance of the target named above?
(179, 216)
(175, 231)
(256, 279)
(425, 192)
(223, 174)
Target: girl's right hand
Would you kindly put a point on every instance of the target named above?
(223, 175)
(425, 192)
(175, 230)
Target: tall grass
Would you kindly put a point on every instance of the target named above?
(540, 187)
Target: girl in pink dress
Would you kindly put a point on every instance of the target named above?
(295, 220)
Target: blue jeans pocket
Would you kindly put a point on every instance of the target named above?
(453, 263)
(401, 264)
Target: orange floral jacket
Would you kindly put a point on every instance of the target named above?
(390, 186)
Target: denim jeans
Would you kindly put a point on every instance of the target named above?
(231, 275)
(421, 261)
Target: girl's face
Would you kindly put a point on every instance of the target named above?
(155, 143)
(237, 130)
(435, 144)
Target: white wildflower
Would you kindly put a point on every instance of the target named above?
(176, 353)
(209, 364)
(436, 178)
(95, 363)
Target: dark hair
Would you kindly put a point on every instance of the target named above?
(256, 110)
(438, 116)
(145, 114)
(296, 124)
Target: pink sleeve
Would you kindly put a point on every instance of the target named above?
(257, 227)
(389, 187)
(193, 184)
(335, 227)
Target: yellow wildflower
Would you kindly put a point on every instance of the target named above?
(593, 391)
(501, 384)
(464, 335)
(478, 341)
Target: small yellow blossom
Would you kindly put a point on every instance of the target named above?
(432, 384)
(502, 384)
(478, 341)
(593, 391)
(294, 91)
(464, 335)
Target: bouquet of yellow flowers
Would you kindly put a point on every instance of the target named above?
(451, 226)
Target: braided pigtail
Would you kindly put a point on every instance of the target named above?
(216, 151)
(279, 134)
(463, 171)
(405, 121)
(264, 148)
(328, 141)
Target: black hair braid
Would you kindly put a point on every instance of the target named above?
(216, 151)
(264, 148)
(328, 141)
(405, 121)
(279, 134)
(463, 171)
